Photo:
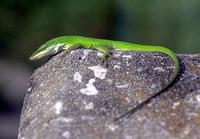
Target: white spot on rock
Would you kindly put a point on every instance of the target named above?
(99, 71)
(61, 122)
(139, 69)
(29, 89)
(127, 63)
(42, 84)
(117, 67)
(127, 99)
(66, 134)
(175, 105)
(89, 106)
(62, 119)
(198, 98)
(85, 53)
(109, 81)
(128, 137)
(117, 54)
(77, 77)
(58, 107)
(187, 130)
(127, 56)
(90, 88)
(122, 86)
(153, 86)
(88, 118)
(99, 54)
(112, 126)
(159, 69)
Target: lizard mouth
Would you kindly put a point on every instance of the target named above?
(37, 55)
(43, 53)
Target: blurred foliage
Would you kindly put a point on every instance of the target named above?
(174, 24)
(25, 24)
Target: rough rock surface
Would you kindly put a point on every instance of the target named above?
(78, 96)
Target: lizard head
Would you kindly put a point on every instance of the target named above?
(49, 48)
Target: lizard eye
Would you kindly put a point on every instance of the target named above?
(43, 47)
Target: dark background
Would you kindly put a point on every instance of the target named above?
(25, 24)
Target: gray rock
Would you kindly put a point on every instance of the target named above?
(78, 96)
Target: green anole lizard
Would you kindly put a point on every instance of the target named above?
(68, 43)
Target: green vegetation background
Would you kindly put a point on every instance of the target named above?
(26, 24)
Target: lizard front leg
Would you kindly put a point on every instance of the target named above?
(104, 49)
(68, 49)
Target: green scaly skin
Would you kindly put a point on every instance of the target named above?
(68, 43)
